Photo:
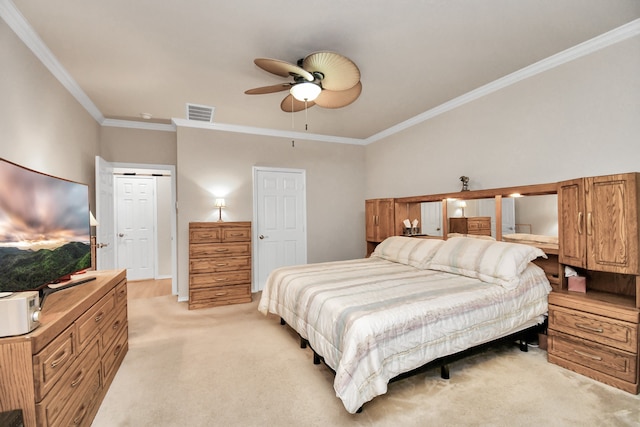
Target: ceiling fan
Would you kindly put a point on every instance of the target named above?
(326, 79)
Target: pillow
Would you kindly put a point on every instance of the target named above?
(490, 261)
(408, 250)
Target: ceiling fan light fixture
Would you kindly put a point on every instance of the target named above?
(305, 91)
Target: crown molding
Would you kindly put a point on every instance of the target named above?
(133, 124)
(29, 37)
(26, 33)
(609, 38)
(266, 132)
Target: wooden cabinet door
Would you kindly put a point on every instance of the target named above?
(379, 214)
(370, 212)
(612, 224)
(385, 219)
(571, 222)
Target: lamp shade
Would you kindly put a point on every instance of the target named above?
(92, 220)
(220, 203)
(305, 91)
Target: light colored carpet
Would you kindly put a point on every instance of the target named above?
(232, 366)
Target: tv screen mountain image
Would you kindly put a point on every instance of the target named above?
(44, 228)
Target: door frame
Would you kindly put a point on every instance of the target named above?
(174, 251)
(254, 227)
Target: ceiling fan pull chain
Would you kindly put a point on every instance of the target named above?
(306, 121)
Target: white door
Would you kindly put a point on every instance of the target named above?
(279, 221)
(135, 225)
(431, 218)
(105, 240)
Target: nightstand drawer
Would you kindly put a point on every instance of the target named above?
(594, 357)
(615, 333)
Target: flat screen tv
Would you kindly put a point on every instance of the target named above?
(44, 229)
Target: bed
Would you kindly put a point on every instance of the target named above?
(413, 301)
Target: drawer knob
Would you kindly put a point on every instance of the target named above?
(81, 412)
(78, 379)
(59, 360)
(589, 328)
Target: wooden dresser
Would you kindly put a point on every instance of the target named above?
(596, 333)
(60, 372)
(477, 225)
(219, 263)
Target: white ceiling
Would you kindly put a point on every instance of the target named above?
(149, 56)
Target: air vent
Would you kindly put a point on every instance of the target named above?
(201, 113)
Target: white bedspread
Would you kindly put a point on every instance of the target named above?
(373, 319)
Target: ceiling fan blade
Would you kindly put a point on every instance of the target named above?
(268, 89)
(337, 99)
(291, 105)
(282, 68)
(340, 73)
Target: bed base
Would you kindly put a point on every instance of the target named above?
(521, 337)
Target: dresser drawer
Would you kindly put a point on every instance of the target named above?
(52, 362)
(223, 295)
(85, 369)
(615, 333)
(594, 357)
(205, 235)
(219, 249)
(121, 293)
(219, 279)
(475, 225)
(113, 328)
(236, 234)
(90, 322)
(113, 356)
(208, 265)
(83, 406)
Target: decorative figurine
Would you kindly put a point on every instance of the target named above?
(465, 183)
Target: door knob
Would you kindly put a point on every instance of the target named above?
(121, 235)
(261, 237)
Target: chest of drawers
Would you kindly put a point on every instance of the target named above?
(219, 263)
(59, 373)
(478, 225)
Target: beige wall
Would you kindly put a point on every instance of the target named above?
(125, 145)
(42, 126)
(210, 160)
(580, 119)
